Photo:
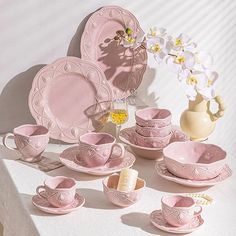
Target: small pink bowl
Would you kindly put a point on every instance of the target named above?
(153, 131)
(153, 117)
(121, 198)
(193, 160)
(153, 142)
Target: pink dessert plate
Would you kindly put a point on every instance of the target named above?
(158, 221)
(43, 205)
(123, 67)
(69, 158)
(164, 173)
(63, 92)
(127, 136)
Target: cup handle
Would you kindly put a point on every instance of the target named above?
(121, 147)
(41, 187)
(196, 213)
(4, 140)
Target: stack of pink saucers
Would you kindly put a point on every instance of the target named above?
(194, 164)
(153, 131)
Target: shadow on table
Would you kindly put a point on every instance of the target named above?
(153, 180)
(9, 154)
(96, 199)
(27, 201)
(141, 220)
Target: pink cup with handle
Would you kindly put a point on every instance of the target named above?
(30, 141)
(179, 210)
(95, 149)
(59, 191)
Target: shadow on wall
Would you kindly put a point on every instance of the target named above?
(14, 100)
(74, 46)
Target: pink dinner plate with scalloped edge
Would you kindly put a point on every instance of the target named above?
(69, 158)
(158, 221)
(43, 205)
(123, 67)
(162, 171)
(127, 137)
(63, 92)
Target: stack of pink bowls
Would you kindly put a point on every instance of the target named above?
(153, 127)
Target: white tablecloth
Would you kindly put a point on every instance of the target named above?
(98, 216)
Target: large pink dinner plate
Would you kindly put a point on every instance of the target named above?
(127, 136)
(123, 67)
(63, 94)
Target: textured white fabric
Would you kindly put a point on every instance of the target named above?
(98, 216)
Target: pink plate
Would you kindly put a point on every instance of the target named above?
(69, 158)
(62, 94)
(123, 67)
(128, 136)
(43, 205)
(164, 173)
(157, 220)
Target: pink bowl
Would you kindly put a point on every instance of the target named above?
(121, 198)
(153, 117)
(153, 142)
(193, 160)
(153, 131)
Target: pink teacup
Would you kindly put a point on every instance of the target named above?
(96, 148)
(30, 141)
(153, 117)
(59, 191)
(179, 210)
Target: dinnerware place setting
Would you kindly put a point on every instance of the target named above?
(72, 98)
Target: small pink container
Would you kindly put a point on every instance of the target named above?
(121, 198)
(193, 160)
(153, 117)
(152, 142)
(153, 131)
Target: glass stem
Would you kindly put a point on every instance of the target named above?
(118, 127)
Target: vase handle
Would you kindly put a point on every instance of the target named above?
(221, 108)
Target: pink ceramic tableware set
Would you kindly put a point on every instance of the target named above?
(88, 85)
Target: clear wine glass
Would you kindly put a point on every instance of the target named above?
(119, 114)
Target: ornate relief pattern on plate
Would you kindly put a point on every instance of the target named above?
(75, 74)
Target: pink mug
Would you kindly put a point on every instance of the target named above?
(179, 210)
(59, 191)
(96, 148)
(30, 141)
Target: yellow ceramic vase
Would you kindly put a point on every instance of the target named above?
(198, 122)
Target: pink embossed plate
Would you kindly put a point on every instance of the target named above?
(63, 92)
(123, 67)
(164, 173)
(128, 136)
(69, 158)
(157, 220)
(43, 205)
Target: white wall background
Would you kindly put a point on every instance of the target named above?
(37, 32)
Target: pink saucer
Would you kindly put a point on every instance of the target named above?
(43, 205)
(164, 173)
(69, 158)
(157, 220)
(127, 136)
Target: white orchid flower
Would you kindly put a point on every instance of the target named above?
(157, 46)
(183, 42)
(132, 41)
(156, 32)
(183, 60)
(198, 82)
(203, 60)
